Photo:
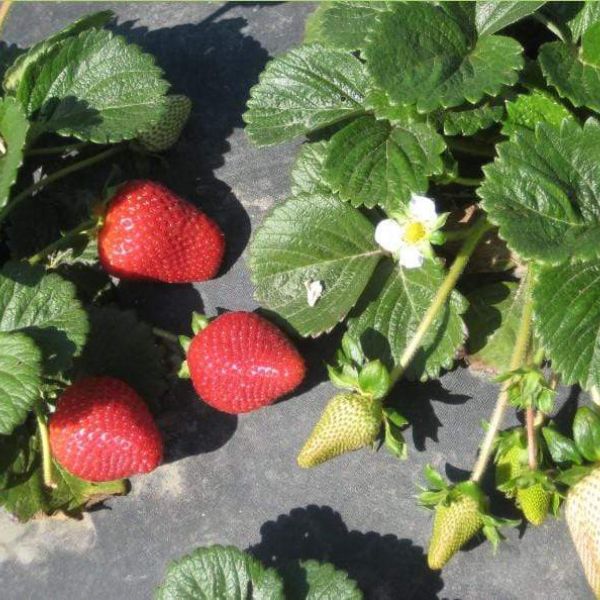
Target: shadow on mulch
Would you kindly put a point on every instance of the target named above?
(384, 566)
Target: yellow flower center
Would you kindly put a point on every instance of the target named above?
(414, 232)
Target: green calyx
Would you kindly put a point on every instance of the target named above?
(349, 422)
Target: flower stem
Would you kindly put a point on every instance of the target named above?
(4, 8)
(64, 241)
(45, 443)
(470, 147)
(519, 355)
(441, 296)
(468, 181)
(38, 185)
(57, 149)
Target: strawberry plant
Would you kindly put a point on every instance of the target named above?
(78, 374)
(226, 572)
(445, 145)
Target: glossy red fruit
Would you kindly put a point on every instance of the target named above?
(241, 362)
(151, 233)
(102, 430)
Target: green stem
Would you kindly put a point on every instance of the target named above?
(166, 335)
(45, 443)
(468, 181)
(441, 296)
(530, 419)
(64, 241)
(550, 25)
(519, 355)
(82, 164)
(470, 147)
(4, 9)
(595, 394)
(56, 149)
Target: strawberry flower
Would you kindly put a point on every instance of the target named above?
(409, 236)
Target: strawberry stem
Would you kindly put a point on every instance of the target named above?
(38, 185)
(84, 228)
(45, 443)
(531, 438)
(467, 181)
(50, 150)
(470, 147)
(165, 335)
(4, 8)
(441, 296)
(518, 357)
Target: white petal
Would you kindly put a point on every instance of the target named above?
(314, 290)
(389, 235)
(411, 257)
(422, 209)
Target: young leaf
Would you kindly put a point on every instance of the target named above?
(219, 572)
(371, 162)
(307, 173)
(429, 55)
(527, 110)
(311, 580)
(586, 433)
(15, 73)
(391, 310)
(344, 24)
(567, 312)
(543, 191)
(313, 238)
(20, 379)
(574, 79)
(95, 87)
(24, 494)
(468, 120)
(492, 16)
(492, 320)
(561, 448)
(334, 81)
(13, 132)
(43, 306)
(121, 346)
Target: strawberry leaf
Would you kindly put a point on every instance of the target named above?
(311, 580)
(219, 572)
(13, 132)
(430, 55)
(371, 162)
(492, 16)
(121, 346)
(574, 79)
(562, 449)
(586, 433)
(567, 311)
(468, 120)
(15, 73)
(492, 320)
(313, 238)
(20, 379)
(343, 24)
(22, 492)
(573, 18)
(543, 191)
(307, 174)
(278, 109)
(95, 87)
(527, 110)
(43, 306)
(391, 310)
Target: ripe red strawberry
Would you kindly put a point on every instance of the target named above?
(240, 362)
(151, 233)
(102, 431)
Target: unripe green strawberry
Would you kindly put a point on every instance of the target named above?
(166, 132)
(535, 502)
(454, 525)
(582, 512)
(349, 422)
